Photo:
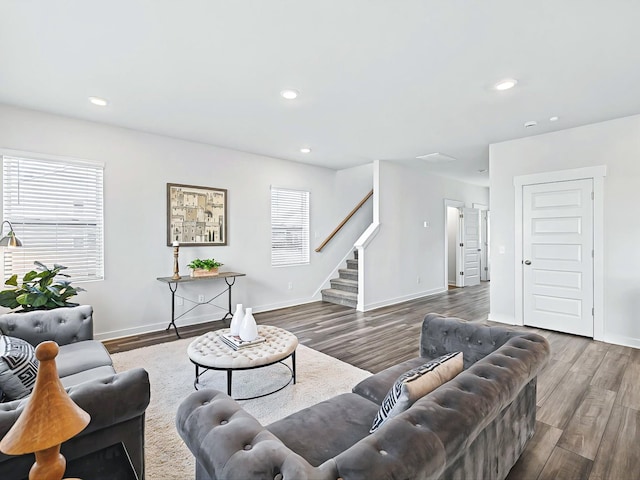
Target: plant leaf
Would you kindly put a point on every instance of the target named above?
(40, 265)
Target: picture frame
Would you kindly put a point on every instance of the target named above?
(196, 216)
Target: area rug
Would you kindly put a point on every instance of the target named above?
(319, 377)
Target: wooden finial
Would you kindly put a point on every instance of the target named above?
(49, 418)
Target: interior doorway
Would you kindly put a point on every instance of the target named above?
(596, 174)
(557, 247)
(485, 267)
(452, 239)
(466, 244)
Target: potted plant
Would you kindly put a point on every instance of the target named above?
(40, 290)
(204, 267)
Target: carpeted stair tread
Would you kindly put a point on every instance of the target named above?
(348, 273)
(344, 285)
(340, 297)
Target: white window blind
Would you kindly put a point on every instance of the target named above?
(289, 227)
(56, 209)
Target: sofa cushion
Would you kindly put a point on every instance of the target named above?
(18, 367)
(415, 384)
(321, 432)
(80, 356)
(87, 376)
(376, 387)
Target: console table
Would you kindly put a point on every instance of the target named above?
(229, 279)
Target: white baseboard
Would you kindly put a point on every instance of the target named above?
(154, 327)
(194, 320)
(622, 340)
(404, 298)
(288, 303)
(501, 318)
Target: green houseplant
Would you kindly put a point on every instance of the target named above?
(39, 290)
(204, 267)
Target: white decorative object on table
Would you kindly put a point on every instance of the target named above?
(248, 329)
(236, 321)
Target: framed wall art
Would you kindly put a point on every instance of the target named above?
(196, 215)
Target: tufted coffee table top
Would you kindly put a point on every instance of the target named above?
(210, 351)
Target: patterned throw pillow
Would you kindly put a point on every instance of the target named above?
(416, 383)
(18, 367)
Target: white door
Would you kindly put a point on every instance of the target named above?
(470, 245)
(485, 274)
(557, 234)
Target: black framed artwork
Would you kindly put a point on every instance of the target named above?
(196, 215)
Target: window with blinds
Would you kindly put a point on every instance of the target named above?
(56, 209)
(289, 227)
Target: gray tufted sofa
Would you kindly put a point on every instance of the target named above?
(115, 401)
(474, 426)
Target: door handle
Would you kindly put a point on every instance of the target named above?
(527, 262)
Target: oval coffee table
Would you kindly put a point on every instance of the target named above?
(208, 352)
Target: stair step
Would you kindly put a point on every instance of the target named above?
(340, 297)
(348, 273)
(344, 285)
(352, 264)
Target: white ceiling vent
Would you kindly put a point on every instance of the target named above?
(436, 157)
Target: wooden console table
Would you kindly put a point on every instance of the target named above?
(229, 279)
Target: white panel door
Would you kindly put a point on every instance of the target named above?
(558, 256)
(471, 246)
(485, 274)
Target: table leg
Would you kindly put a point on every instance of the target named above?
(173, 308)
(229, 372)
(293, 362)
(229, 313)
(195, 382)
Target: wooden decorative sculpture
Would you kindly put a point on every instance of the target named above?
(49, 418)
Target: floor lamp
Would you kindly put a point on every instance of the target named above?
(49, 418)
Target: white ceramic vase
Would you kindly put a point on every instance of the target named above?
(248, 329)
(236, 320)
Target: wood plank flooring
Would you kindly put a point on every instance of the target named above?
(588, 423)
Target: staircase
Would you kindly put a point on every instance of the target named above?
(344, 290)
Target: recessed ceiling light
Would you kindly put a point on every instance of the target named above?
(101, 102)
(289, 94)
(554, 119)
(530, 124)
(305, 150)
(506, 84)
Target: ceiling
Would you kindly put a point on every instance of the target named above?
(378, 79)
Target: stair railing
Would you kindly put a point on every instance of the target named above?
(346, 219)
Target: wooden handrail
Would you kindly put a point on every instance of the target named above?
(346, 219)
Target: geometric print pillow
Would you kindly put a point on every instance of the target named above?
(416, 383)
(18, 367)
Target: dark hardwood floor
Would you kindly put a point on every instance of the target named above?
(588, 395)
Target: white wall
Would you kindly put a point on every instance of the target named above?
(137, 168)
(406, 260)
(616, 144)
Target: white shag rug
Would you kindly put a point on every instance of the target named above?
(318, 377)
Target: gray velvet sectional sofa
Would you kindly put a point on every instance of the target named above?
(472, 427)
(115, 401)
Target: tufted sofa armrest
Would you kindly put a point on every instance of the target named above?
(62, 325)
(449, 419)
(441, 335)
(109, 400)
(231, 444)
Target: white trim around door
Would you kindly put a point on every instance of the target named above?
(597, 174)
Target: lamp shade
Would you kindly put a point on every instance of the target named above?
(50, 416)
(10, 239)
